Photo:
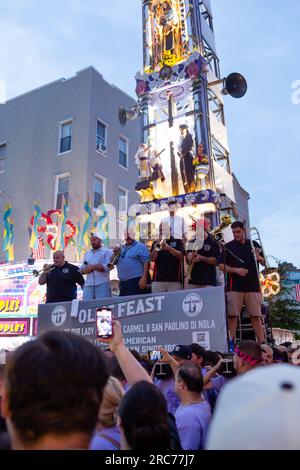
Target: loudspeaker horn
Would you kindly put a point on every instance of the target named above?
(235, 85)
(128, 114)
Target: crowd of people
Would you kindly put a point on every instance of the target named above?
(117, 400)
(169, 264)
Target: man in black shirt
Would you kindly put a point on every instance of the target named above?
(61, 280)
(168, 270)
(243, 286)
(202, 262)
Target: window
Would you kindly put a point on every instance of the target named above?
(62, 190)
(101, 138)
(99, 191)
(2, 157)
(123, 150)
(65, 142)
(122, 201)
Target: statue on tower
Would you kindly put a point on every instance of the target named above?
(167, 34)
(187, 169)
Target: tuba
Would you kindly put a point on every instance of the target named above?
(269, 278)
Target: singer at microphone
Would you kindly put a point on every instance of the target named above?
(95, 267)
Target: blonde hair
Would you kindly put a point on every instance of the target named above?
(112, 396)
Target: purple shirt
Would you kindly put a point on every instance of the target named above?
(192, 423)
(167, 388)
(99, 442)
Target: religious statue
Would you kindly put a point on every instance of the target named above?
(187, 169)
(157, 176)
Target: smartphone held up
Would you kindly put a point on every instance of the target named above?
(104, 324)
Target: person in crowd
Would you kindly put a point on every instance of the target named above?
(116, 371)
(168, 268)
(107, 436)
(133, 266)
(258, 411)
(198, 355)
(95, 266)
(61, 279)
(247, 356)
(134, 373)
(53, 391)
(193, 415)
(166, 384)
(266, 355)
(280, 355)
(203, 259)
(243, 285)
(143, 419)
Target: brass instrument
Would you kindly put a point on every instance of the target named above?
(269, 278)
(46, 269)
(158, 245)
(115, 257)
(215, 233)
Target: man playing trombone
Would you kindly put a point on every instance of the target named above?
(61, 279)
(240, 260)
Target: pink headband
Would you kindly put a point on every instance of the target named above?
(250, 359)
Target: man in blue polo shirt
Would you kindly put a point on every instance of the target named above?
(133, 267)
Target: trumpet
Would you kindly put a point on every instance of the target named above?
(115, 257)
(46, 269)
(214, 233)
(158, 245)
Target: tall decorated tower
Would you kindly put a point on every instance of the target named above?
(184, 152)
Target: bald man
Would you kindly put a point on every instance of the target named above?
(202, 260)
(62, 280)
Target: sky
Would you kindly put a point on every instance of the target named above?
(42, 41)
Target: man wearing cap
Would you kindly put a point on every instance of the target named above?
(95, 266)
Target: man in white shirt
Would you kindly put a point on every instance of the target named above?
(95, 266)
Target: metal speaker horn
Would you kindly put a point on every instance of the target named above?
(235, 85)
(128, 114)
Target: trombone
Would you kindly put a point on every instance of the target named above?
(46, 269)
(269, 278)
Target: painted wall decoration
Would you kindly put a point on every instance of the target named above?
(49, 225)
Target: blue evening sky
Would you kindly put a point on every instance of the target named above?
(42, 41)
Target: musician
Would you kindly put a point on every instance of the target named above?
(133, 266)
(168, 258)
(61, 279)
(95, 266)
(243, 286)
(187, 168)
(203, 261)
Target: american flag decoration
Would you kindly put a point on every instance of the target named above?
(39, 253)
(297, 292)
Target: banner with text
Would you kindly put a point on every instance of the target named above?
(148, 321)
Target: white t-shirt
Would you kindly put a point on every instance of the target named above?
(100, 256)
